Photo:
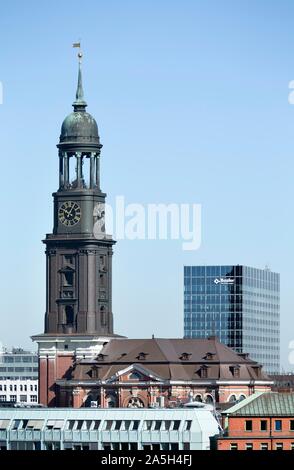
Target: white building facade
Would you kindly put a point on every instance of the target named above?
(18, 376)
(107, 429)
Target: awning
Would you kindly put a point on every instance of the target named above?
(55, 424)
(51, 422)
(58, 424)
(4, 423)
(35, 424)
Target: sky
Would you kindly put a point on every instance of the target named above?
(192, 104)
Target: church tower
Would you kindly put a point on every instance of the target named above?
(78, 318)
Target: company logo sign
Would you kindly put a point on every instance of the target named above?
(224, 280)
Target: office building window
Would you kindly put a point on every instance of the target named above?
(249, 446)
(279, 446)
(33, 398)
(234, 446)
(291, 424)
(264, 446)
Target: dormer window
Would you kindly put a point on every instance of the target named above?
(235, 371)
(210, 356)
(101, 357)
(142, 356)
(257, 370)
(243, 355)
(203, 372)
(121, 356)
(95, 372)
(185, 356)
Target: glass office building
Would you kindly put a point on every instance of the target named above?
(240, 305)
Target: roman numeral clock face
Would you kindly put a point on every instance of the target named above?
(69, 213)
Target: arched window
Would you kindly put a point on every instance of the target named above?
(92, 400)
(208, 399)
(232, 399)
(198, 398)
(111, 401)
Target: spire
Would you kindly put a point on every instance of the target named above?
(79, 104)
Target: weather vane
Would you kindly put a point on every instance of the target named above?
(78, 45)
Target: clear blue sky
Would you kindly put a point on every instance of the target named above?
(191, 100)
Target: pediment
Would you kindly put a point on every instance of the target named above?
(135, 373)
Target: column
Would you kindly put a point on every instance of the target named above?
(92, 170)
(97, 159)
(66, 169)
(61, 170)
(79, 169)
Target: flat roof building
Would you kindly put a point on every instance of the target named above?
(107, 429)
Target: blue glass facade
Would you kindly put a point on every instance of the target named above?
(239, 304)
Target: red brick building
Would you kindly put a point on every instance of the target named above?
(261, 422)
(165, 372)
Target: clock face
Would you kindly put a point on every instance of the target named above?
(69, 213)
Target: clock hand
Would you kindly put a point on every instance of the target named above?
(70, 210)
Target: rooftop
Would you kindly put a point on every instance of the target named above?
(264, 404)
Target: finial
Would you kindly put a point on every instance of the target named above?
(79, 103)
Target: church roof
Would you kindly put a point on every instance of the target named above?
(172, 359)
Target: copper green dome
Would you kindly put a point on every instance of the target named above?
(79, 130)
(79, 127)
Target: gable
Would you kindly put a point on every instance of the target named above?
(135, 373)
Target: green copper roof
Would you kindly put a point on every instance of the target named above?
(264, 404)
(79, 130)
(80, 104)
